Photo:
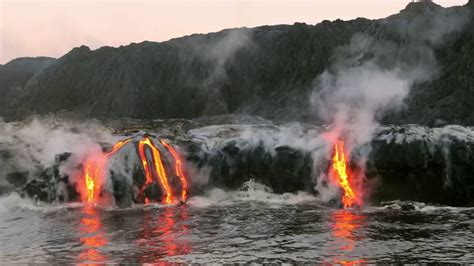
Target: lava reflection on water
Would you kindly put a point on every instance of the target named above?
(92, 236)
(346, 230)
(165, 233)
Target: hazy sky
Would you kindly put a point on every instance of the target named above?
(53, 27)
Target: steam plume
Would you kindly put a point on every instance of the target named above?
(372, 75)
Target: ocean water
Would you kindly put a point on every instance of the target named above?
(253, 225)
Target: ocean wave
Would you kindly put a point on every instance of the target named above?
(399, 205)
(250, 191)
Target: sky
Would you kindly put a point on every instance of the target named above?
(54, 27)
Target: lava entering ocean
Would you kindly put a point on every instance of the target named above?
(159, 169)
(95, 168)
(340, 170)
(178, 170)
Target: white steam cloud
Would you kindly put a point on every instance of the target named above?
(371, 76)
(217, 51)
(31, 146)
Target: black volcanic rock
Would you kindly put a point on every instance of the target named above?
(267, 71)
(409, 162)
(13, 78)
(414, 163)
(431, 165)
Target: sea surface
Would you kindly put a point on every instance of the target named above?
(234, 227)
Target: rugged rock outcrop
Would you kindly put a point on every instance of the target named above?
(14, 77)
(416, 163)
(267, 71)
(423, 164)
(411, 162)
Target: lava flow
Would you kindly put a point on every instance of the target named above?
(160, 170)
(339, 166)
(90, 174)
(94, 169)
(152, 163)
(144, 161)
(178, 170)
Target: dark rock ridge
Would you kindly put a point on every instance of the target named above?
(414, 163)
(423, 164)
(13, 78)
(267, 71)
(433, 165)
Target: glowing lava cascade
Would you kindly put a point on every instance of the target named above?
(94, 169)
(158, 163)
(340, 169)
(178, 170)
(151, 161)
(90, 174)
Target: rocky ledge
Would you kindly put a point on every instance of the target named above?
(432, 165)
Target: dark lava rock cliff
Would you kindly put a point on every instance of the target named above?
(13, 78)
(410, 162)
(267, 71)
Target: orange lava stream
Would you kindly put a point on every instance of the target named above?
(90, 174)
(178, 170)
(339, 165)
(94, 168)
(117, 147)
(161, 173)
(146, 167)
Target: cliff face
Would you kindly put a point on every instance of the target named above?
(13, 78)
(415, 163)
(267, 71)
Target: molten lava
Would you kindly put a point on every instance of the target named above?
(178, 170)
(90, 176)
(94, 168)
(339, 166)
(148, 173)
(117, 147)
(158, 163)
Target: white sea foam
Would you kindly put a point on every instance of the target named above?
(397, 205)
(250, 191)
(14, 202)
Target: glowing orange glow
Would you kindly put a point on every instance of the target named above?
(345, 231)
(90, 176)
(164, 233)
(146, 167)
(95, 167)
(161, 171)
(349, 198)
(92, 236)
(158, 163)
(117, 147)
(178, 170)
